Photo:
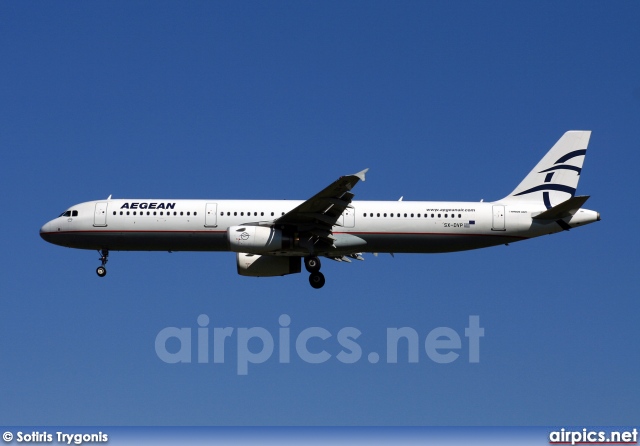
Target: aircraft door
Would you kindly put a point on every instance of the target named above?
(348, 219)
(100, 215)
(211, 215)
(498, 218)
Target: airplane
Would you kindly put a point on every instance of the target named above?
(274, 237)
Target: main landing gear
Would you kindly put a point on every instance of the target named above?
(104, 258)
(316, 278)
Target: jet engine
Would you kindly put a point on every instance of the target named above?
(257, 239)
(266, 266)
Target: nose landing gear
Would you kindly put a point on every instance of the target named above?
(316, 278)
(104, 258)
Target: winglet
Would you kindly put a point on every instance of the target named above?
(361, 174)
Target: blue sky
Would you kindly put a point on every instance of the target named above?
(441, 100)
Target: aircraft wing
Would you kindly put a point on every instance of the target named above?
(320, 213)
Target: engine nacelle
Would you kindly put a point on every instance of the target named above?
(256, 265)
(257, 239)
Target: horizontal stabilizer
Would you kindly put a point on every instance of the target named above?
(564, 209)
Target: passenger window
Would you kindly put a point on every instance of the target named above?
(114, 212)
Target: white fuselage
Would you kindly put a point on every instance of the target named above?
(385, 226)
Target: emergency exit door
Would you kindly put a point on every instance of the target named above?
(211, 215)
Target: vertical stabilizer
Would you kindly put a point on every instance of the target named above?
(555, 178)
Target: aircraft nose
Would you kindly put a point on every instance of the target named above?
(45, 232)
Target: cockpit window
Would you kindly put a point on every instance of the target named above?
(74, 213)
(69, 214)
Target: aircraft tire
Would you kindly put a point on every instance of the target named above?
(312, 264)
(316, 280)
(101, 271)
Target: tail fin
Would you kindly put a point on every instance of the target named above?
(555, 178)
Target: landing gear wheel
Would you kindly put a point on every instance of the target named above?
(102, 271)
(316, 280)
(312, 264)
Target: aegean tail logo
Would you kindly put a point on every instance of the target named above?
(558, 165)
